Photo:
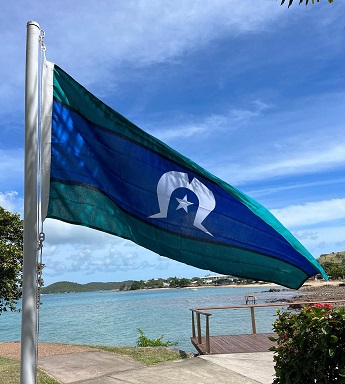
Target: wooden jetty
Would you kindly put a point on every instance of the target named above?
(234, 344)
(254, 342)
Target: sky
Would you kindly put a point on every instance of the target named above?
(250, 90)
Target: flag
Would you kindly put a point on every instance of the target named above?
(103, 172)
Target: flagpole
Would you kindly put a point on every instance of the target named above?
(29, 299)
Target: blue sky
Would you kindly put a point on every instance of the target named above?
(251, 91)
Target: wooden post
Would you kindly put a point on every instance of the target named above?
(199, 327)
(193, 325)
(208, 347)
(253, 319)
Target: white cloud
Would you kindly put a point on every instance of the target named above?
(143, 33)
(280, 142)
(49, 250)
(7, 200)
(242, 168)
(201, 128)
(294, 162)
(323, 239)
(80, 259)
(86, 260)
(77, 250)
(306, 235)
(138, 33)
(58, 232)
(311, 213)
(261, 140)
(11, 201)
(294, 185)
(162, 263)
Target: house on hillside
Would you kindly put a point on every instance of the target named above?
(218, 279)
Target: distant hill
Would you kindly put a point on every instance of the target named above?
(68, 287)
(334, 257)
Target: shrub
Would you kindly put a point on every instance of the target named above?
(310, 346)
(144, 341)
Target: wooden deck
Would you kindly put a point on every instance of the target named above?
(235, 343)
(255, 342)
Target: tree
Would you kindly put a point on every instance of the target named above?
(123, 287)
(184, 282)
(301, 1)
(154, 283)
(11, 259)
(333, 270)
(137, 285)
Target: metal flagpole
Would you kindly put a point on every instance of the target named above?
(29, 300)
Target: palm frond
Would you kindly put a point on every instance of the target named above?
(302, 1)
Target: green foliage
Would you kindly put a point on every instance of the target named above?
(334, 270)
(137, 285)
(310, 346)
(123, 287)
(333, 264)
(301, 1)
(175, 282)
(144, 341)
(66, 286)
(10, 373)
(184, 282)
(333, 257)
(197, 281)
(63, 287)
(11, 259)
(154, 283)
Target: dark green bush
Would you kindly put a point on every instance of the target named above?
(310, 346)
(144, 341)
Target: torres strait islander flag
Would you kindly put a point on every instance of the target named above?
(103, 172)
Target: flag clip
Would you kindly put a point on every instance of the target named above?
(41, 40)
(41, 238)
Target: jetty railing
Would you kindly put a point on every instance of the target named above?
(198, 312)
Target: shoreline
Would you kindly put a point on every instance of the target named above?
(212, 286)
(308, 283)
(313, 283)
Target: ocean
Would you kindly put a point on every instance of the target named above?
(112, 318)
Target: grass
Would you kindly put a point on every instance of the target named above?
(10, 369)
(146, 355)
(10, 373)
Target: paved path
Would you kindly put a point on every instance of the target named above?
(95, 367)
(257, 366)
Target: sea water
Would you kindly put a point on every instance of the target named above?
(112, 318)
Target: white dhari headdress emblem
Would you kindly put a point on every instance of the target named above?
(172, 180)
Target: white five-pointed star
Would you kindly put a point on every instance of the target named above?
(183, 203)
